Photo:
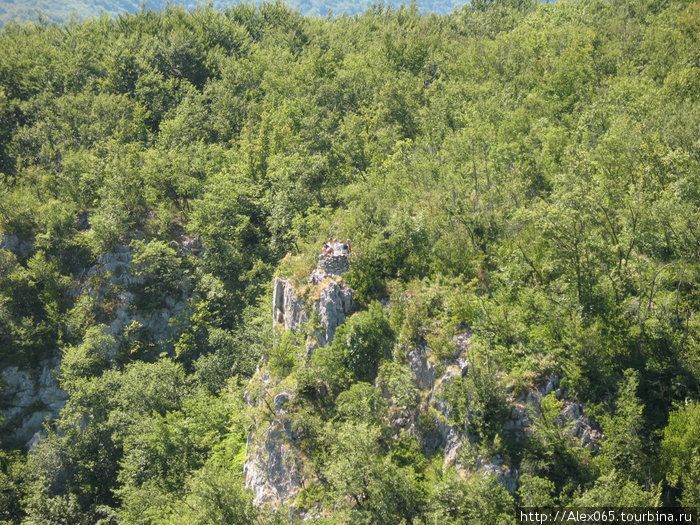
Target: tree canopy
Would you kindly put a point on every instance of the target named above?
(525, 172)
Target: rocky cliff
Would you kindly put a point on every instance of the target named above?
(325, 295)
(32, 395)
(112, 273)
(274, 469)
(274, 463)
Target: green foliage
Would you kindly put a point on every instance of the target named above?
(17, 212)
(88, 359)
(623, 449)
(11, 473)
(554, 453)
(521, 174)
(237, 352)
(231, 222)
(33, 297)
(364, 340)
(378, 488)
(479, 499)
(359, 403)
(535, 491)
(397, 251)
(156, 265)
(161, 451)
(680, 446)
(283, 355)
(613, 490)
(215, 495)
(478, 402)
(326, 376)
(395, 383)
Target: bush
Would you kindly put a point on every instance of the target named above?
(158, 265)
(364, 340)
(282, 357)
(395, 382)
(400, 251)
(478, 402)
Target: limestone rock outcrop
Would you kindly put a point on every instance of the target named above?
(527, 407)
(333, 264)
(271, 472)
(113, 270)
(15, 244)
(332, 303)
(287, 309)
(433, 378)
(274, 465)
(272, 469)
(333, 306)
(32, 397)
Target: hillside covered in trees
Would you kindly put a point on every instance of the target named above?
(521, 185)
(61, 11)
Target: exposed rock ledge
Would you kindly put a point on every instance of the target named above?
(526, 407)
(33, 396)
(271, 469)
(271, 472)
(333, 304)
(333, 264)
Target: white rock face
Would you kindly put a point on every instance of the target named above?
(423, 369)
(114, 266)
(287, 309)
(271, 472)
(14, 244)
(427, 378)
(507, 476)
(333, 306)
(271, 469)
(33, 396)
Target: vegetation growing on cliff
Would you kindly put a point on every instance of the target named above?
(528, 172)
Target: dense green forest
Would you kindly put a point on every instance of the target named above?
(62, 11)
(527, 173)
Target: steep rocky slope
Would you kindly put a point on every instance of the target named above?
(31, 393)
(276, 467)
(273, 466)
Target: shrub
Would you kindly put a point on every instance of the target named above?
(282, 356)
(364, 340)
(158, 265)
